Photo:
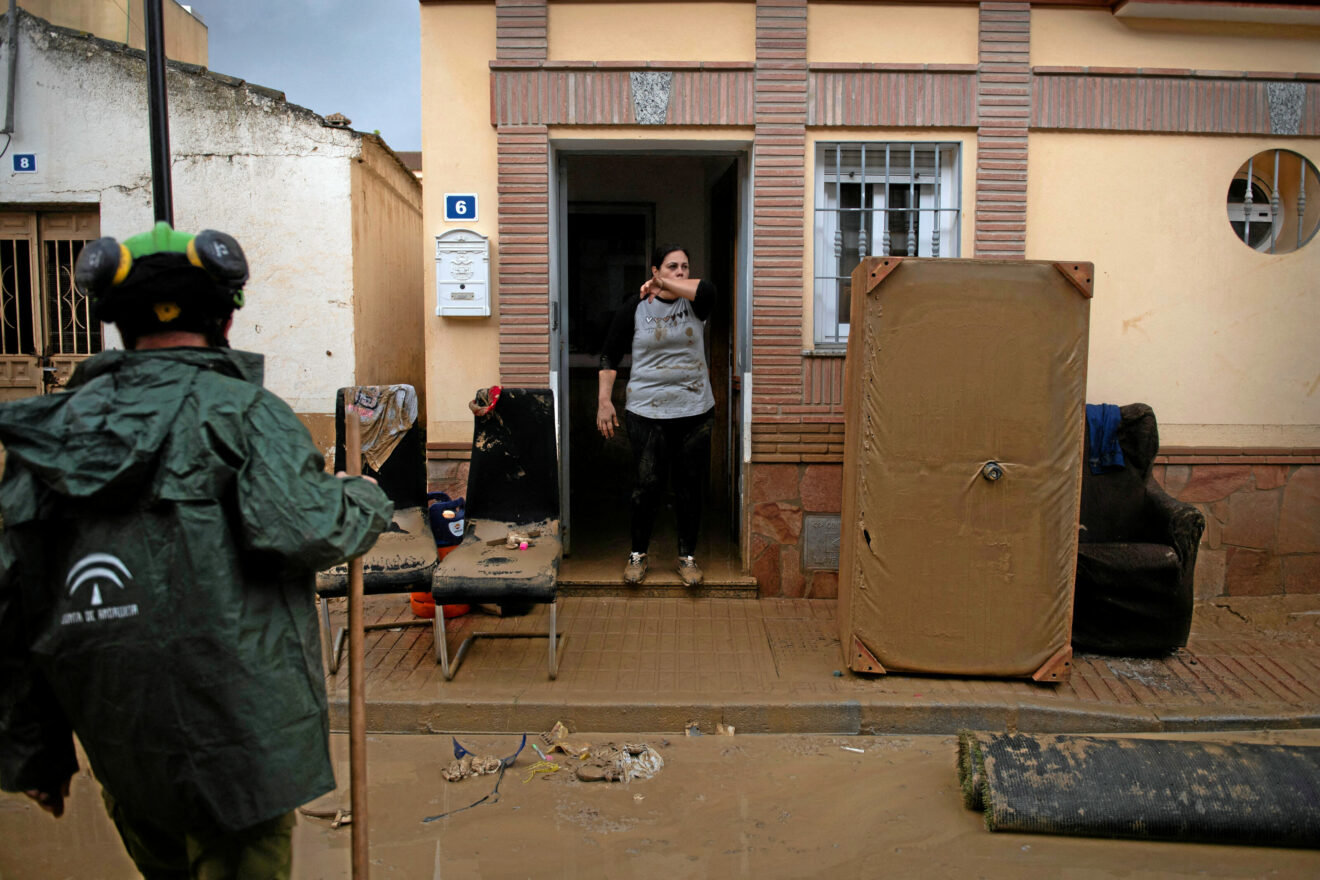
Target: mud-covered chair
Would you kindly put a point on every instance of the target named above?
(404, 556)
(513, 488)
(1137, 551)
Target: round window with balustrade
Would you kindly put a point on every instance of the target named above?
(1274, 201)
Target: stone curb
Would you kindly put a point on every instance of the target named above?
(906, 717)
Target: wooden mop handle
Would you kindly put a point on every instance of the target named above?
(357, 697)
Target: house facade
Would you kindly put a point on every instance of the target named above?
(125, 21)
(329, 218)
(1172, 144)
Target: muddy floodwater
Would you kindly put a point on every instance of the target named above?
(764, 806)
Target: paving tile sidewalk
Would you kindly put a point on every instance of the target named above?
(769, 666)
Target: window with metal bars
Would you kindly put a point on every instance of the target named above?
(1268, 207)
(46, 325)
(70, 327)
(878, 199)
(19, 336)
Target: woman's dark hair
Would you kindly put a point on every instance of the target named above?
(658, 255)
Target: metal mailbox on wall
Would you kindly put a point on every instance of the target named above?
(462, 274)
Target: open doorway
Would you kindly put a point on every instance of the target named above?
(614, 209)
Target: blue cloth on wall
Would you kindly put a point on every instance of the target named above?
(1102, 420)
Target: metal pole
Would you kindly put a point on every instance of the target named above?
(357, 694)
(159, 110)
(11, 46)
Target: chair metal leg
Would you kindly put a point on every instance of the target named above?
(329, 643)
(449, 667)
(554, 656)
(441, 646)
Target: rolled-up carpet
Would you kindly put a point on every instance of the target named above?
(1241, 793)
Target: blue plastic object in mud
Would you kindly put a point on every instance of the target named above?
(446, 516)
(460, 751)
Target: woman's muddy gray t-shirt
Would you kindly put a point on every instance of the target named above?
(670, 378)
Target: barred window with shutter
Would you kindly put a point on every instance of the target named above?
(878, 199)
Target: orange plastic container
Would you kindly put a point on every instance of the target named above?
(424, 606)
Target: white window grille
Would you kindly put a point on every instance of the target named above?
(878, 199)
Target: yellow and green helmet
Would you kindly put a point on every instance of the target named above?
(163, 279)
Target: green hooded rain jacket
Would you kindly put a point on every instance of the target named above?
(163, 522)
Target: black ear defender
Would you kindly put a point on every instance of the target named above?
(218, 254)
(101, 265)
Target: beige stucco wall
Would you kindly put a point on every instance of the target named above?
(462, 354)
(1219, 339)
(124, 21)
(967, 167)
(702, 31)
(388, 296)
(1071, 37)
(896, 33)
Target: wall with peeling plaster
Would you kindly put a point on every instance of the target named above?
(244, 161)
(390, 311)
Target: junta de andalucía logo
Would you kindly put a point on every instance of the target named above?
(97, 583)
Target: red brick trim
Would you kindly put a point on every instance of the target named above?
(1187, 72)
(1003, 109)
(1204, 455)
(523, 182)
(778, 204)
(889, 97)
(592, 96)
(804, 442)
(822, 381)
(501, 64)
(1174, 101)
(889, 67)
(520, 29)
(794, 438)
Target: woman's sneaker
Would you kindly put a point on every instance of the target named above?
(689, 571)
(635, 569)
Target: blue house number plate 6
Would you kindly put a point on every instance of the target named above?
(460, 207)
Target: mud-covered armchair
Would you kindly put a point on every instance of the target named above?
(394, 455)
(1136, 553)
(513, 487)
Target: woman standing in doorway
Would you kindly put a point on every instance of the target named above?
(670, 407)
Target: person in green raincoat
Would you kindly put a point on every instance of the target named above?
(163, 520)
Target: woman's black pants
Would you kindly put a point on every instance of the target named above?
(661, 447)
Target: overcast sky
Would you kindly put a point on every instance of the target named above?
(357, 58)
